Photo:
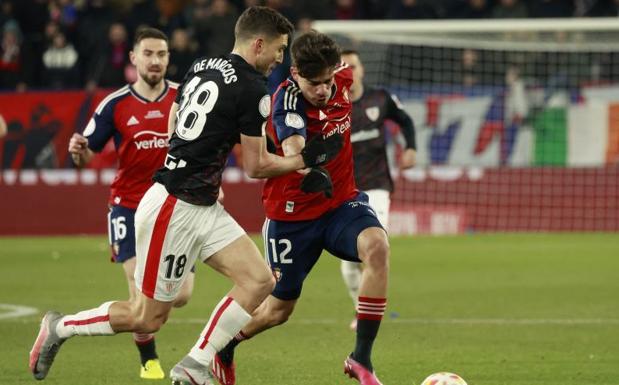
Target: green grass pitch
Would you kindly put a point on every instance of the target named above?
(513, 309)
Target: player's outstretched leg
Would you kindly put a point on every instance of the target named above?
(46, 345)
(190, 372)
(351, 273)
(373, 247)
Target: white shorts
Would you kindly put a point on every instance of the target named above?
(380, 202)
(171, 235)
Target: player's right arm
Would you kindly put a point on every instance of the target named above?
(99, 130)
(80, 153)
(257, 161)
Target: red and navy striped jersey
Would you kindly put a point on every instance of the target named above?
(139, 129)
(293, 115)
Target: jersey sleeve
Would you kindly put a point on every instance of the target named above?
(255, 108)
(101, 127)
(289, 114)
(395, 112)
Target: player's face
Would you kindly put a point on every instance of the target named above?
(355, 64)
(316, 90)
(150, 57)
(270, 53)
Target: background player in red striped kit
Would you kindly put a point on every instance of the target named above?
(136, 118)
(223, 100)
(317, 210)
(371, 108)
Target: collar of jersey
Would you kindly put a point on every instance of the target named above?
(157, 99)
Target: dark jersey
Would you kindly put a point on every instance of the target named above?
(368, 137)
(219, 99)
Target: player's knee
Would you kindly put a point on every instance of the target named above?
(146, 323)
(266, 284)
(377, 253)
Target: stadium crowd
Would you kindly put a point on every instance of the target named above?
(66, 44)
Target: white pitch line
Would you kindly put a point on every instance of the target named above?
(15, 311)
(443, 321)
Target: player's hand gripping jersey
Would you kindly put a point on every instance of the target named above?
(293, 115)
(220, 98)
(140, 131)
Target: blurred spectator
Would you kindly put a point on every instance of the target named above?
(108, 69)
(283, 7)
(60, 64)
(510, 9)
(470, 9)
(411, 9)
(11, 59)
(214, 26)
(552, 8)
(7, 14)
(346, 10)
(182, 55)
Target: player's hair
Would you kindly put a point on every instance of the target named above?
(350, 51)
(313, 53)
(259, 20)
(149, 33)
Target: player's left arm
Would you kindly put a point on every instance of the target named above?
(395, 112)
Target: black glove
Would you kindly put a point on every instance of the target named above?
(271, 145)
(317, 180)
(318, 150)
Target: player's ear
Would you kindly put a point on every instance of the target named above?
(259, 44)
(132, 57)
(294, 71)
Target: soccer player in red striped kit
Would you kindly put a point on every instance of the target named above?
(317, 209)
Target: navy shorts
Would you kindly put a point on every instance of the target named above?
(121, 231)
(293, 248)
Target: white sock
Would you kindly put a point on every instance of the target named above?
(93, 322)
(226, 321)
(351, 272)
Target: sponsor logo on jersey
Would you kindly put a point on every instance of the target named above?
(372, 113)
(294, 120)
(265, 106)
(340, 127)
(154, 114)
(132, 121)
(289, 206)
(365, 135)
(159, 140)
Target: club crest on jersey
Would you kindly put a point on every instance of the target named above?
(265, 106)
(289, 206)
(373, 113)
(277, 273)
(294, 120)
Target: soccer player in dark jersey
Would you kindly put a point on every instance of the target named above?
(371, 108)
(317, 210)
(136, 117)
(222, 100)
